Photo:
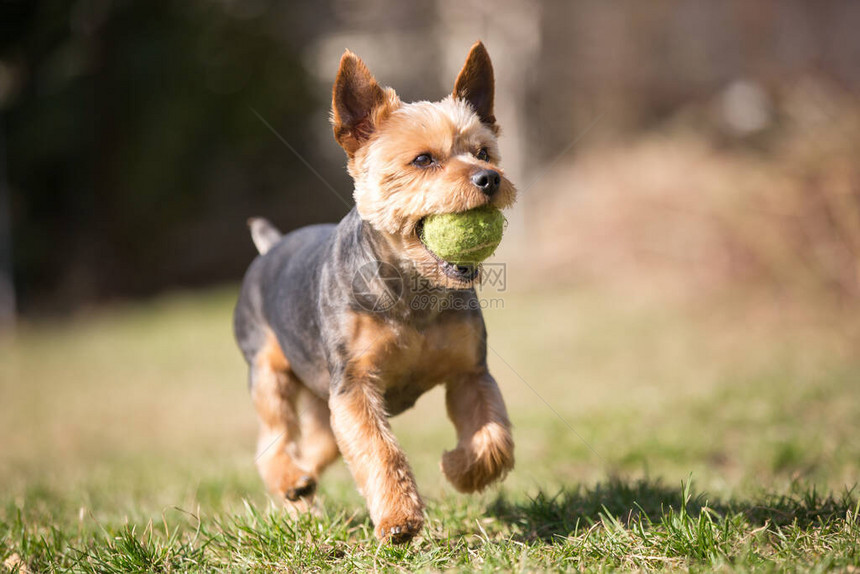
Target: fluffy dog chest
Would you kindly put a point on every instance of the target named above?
(405, 362)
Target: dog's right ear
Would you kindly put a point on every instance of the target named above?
(358, 103)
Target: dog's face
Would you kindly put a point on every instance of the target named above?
(413, 160)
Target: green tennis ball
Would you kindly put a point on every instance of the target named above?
(465, 237)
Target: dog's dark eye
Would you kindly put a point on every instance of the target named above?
(483, 155)
(423, 160)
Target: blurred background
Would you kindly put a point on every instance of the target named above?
(696, 145)
(684, 257)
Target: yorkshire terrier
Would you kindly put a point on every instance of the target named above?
(328, 363)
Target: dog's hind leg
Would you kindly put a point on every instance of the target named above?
(274, 390)
(317, 444)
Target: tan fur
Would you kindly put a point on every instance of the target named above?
(291, 447)
(382, 140)
(390, 353)
(376, 461)
(390, 362)
(476, 84)
(393, 195)
(385, 355)
(397, 360)
(485, 448)
(317, 445)
(359, 104)
(291, 450)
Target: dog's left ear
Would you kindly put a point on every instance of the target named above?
(358, 103)
(476, 84)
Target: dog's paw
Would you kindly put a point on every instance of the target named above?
(304, 487)
(285, 479)
(469, 472)
(399, 528)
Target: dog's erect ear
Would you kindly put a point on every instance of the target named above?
(475, 84)
(358, 103)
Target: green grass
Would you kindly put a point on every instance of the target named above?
(682, 440)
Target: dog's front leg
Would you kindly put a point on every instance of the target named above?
(485, 447)
(376, 460)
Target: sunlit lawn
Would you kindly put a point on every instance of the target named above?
(127, 439)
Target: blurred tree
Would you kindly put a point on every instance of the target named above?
(134, 156)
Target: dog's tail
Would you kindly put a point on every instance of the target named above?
(263, 233)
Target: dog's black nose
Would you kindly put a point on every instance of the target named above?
(487, 181)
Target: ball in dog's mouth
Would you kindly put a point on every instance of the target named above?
(465, 237)
(465, 273)
(461, 241)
